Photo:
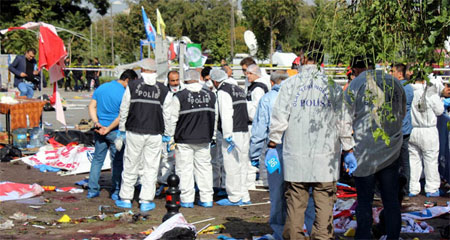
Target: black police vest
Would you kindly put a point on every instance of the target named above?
(240, 114)
(253, 86)
(196, 118)
(145, 114)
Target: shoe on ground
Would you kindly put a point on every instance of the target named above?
(115, 196)
(205, 204)
(412, 195)
(226, 202)
(145, 207)
(123, 204)
(434, 194)
(160, 190)
(92, 195)
(187, 205)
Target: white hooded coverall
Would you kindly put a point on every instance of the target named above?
(236, 162)
(424, 139)
(142, 151)
(193, 160)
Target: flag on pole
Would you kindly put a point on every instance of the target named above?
(160, 25)
(149, 29)
(52, 53)
(171, 53)
(194, 54)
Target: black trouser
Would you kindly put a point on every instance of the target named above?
(405, 169)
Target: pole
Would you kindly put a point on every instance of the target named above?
(232, 31)
(112, 37)
(91, 42)
(149, 49)
(181, 63)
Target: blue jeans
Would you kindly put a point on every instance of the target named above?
(388, 183)
(278, 205)
(102, 144)
(26, 89)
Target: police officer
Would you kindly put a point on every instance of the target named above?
(233, 123)
(145, 115)
(193, 119)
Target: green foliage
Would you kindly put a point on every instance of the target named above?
(68, 14)
(268, 19)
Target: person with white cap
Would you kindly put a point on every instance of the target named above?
(193, 123)
(255, 91)
(233, 123)
(145, 115)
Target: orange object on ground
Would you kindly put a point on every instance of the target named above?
(49, 188)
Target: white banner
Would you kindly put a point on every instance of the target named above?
(76, 159)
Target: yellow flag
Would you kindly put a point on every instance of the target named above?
(160, 25)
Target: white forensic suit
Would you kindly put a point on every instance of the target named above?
(233, 122)
(193, 122)
(144, 114)
(216, 153)
(424, 139)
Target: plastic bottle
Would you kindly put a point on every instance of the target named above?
(20, 138)
(36, 137)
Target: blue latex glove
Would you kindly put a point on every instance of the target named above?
(350, 163)
(272, 161)
(232, 144)
(120, 139)
(255, 162)
(447, 102)
(165, 139)
(46, 168)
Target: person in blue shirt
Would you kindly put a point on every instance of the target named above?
(258, 140)
(399, 72)
(104, 111)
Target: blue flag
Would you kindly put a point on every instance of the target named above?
(149, 29)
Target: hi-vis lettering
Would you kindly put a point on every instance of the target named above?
(199, 99)
(153, 94)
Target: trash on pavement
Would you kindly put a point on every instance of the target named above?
(7, 225)
(20, 216)
(38, 226)
(14, 191)
(64, 219)
(69, 190)
(213, 229)
(60, 209)
(176, 221)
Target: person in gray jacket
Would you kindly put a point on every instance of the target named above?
(309, 112)
(377, 104)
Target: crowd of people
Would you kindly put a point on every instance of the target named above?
(296, 132)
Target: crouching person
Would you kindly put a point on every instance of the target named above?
(144, 114)
(193, 118)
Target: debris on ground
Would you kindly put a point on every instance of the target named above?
(20, 216)
(7, 225)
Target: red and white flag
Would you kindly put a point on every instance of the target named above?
(52, 53)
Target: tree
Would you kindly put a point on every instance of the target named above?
(205, 22)
(267, 18)
(63, 13)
